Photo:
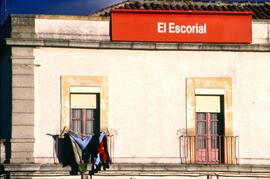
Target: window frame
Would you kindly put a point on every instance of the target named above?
(93, 82)
(219, 84)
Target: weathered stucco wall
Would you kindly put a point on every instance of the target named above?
(260, 32)
(147, 104)
(79, 27)
(72, 28)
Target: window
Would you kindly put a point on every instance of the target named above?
(207, 139)
(84, 113)
(212, 86)
(84, 103)
(84, 121)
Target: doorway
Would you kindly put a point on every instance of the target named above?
(209, 129)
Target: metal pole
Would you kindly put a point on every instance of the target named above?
(238, 157)
(179, 140)
(220, 148)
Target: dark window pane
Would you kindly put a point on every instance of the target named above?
(76, 121)
(201, 130)
(214, 128)
(214, 141)
(201, 116)
(201, 142)
(214, 116)
(89, 127)
(89, 121)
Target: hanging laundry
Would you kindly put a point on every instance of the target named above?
(81, 141)
(103, 158)
(86, 150)
(81, 148)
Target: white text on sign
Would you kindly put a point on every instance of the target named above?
(171, 27)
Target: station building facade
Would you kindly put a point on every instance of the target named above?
(170, 109)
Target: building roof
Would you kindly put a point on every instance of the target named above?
(261, 10)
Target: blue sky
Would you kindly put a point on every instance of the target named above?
(66, 7)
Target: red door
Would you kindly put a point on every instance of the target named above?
(207, 138)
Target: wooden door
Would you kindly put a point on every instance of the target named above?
(207, 138)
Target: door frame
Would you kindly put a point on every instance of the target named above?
(220, 86)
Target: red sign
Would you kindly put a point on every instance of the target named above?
(181, 26)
